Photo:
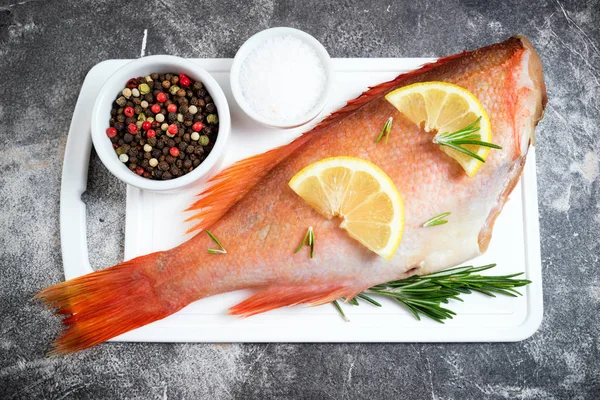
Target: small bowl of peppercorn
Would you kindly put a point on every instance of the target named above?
(161, 123)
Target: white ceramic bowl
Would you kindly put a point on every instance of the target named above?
(255, 41)
(110, 91)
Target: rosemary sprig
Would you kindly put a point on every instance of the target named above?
(309, 240)
(457, 140)
(385, 131)
(437, 220)
(216, 251)
(424, 295)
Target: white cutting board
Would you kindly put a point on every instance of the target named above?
(155, 222)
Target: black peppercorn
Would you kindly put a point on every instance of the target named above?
(154, 76)
(172, 117)
(196, 162)
(197, 85)
(138, 109)
(119, 126)
(121, 118)
(187, 163)
(128, 138)
(210, 108)
(167, 175)
(130, 120)
(163, 166)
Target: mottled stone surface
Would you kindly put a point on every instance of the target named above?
(46, 48)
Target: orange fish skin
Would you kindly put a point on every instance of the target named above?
(262, 229)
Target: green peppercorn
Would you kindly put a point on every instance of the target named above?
(144, 88)
(121, 101)
(141, 117)
(212, 119)
(203, 141)
(173, 89)
(123, 149)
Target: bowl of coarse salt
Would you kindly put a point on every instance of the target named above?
(282, 77)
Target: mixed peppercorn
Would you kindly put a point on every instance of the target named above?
(162, 126)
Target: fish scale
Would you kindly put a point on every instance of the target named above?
(261, 221)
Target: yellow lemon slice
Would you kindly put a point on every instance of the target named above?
(444, 108)
(361, 194)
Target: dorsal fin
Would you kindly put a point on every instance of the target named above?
(231, 184)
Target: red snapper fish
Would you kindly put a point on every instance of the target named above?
(252, 210)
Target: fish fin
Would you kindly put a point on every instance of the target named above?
(381, 89)
(407, 78)
(230, 185)
(104, 304)
(274, 297)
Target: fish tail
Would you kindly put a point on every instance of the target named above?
(104, 304)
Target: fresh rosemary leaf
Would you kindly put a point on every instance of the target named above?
(309, 240)
(368, 299)
(385, 131)
(216, 251)
(340, 311)
(424, 295)
(437, 220)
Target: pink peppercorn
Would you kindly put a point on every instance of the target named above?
(132, 128)
(129, 111)
(174, 151)
(197, 126)
(111, 132)
(184, 81)
(173, 129)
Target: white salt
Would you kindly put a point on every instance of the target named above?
(282, 79)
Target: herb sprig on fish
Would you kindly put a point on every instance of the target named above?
(465, 136)
(424, 295)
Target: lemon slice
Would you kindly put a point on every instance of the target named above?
(360, 193)
(442, 107)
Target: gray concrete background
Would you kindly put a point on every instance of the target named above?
(46, 48)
